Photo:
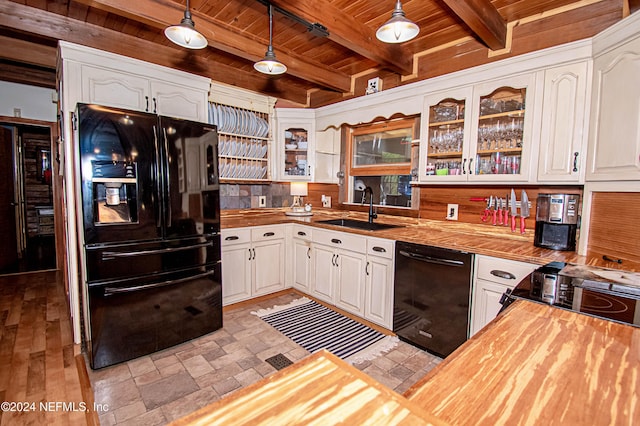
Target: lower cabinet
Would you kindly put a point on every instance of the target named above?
(378, 303)
(493, 276)
(301, 261)
(354, 273)
(253, 261)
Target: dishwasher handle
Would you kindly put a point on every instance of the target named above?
(429, 259)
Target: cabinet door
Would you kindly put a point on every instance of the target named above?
(446, 132)
(327, 155)
(563, 136)
(323, 270)
(614, 137)
(350, 281)
(114, 88)
(301, 264)
(379, 291)
(295, 139)
(486, 301)
(502, 137)
(236, 273)
(268, 266)
(178, 101)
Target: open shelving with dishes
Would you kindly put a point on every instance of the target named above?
(243, 142)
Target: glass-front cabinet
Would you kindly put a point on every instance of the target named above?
(295, 144)
(479, 133)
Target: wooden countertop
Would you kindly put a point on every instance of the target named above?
(496, 241)
(538, 365)
(320, 389)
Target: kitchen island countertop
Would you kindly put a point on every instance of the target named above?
(539, 365)
(496, 241)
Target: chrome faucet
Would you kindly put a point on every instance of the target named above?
(372, 215)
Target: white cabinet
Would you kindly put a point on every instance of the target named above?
(563, 137)
(493, 277)
(95, 76)
(327, 154)
(614, 135)
(253, 261)
(268, 257)
(301, 259)
(295, 143)
(338, 265)
(379, 270)
(480, 133)
(236, 265)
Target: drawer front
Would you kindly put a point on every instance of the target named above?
(380, 247)
(503, 271)
(340, 240)
(235, 236)
(264, 233)
(302, 232)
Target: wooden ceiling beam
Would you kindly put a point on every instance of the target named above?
(162, 13)
(350, 33)
(28, 19)
(483, 19)
(27, 52)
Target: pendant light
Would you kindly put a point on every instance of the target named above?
(398, 29)
(184, 34)
(269, 64)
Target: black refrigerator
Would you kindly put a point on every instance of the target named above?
(151, 227)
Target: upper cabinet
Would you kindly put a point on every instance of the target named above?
(614, 135)
(295, 144)
(327, 155)
(480, 133)
(564, 117)
(103, 78)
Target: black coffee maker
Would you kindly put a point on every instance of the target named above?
(557, 220)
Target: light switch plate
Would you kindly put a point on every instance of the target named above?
(262, 201)
(452, 212)
(326, 201)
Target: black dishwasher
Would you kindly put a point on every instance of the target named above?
(431, 297)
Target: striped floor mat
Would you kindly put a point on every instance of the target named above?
(316, 327)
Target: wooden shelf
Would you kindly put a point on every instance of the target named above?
(515, 113)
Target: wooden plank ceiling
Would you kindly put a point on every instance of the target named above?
(454, 34)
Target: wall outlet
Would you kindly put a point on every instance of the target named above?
(452, 212)
(326, 201)
(17, 112)
(374, 85)
(262, 201)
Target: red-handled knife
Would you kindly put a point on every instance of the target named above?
(524, 210)
(514, 210)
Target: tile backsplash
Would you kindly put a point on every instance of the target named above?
(238, 196)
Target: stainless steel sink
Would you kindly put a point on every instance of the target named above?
(359, 224)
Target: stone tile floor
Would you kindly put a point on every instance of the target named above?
(162, 387)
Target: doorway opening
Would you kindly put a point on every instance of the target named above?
(26, 198)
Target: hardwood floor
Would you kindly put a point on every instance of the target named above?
(41, 380)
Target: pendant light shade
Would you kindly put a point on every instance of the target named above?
(269, 64)
(184, 34)
(398, 29)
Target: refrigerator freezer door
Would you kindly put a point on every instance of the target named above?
(129, 320)
(191, 203)
(120, 261)
(118, 168)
